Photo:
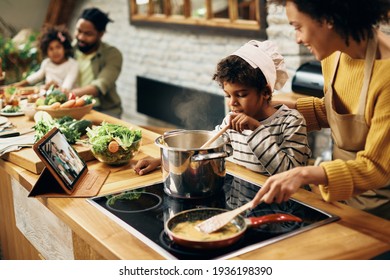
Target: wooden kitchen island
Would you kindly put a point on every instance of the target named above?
(71, 228)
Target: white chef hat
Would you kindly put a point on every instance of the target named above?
(265, 56)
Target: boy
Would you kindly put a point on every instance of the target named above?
(264, 139)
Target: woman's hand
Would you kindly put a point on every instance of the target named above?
(147, 165)
(241, 121)
(280, 187)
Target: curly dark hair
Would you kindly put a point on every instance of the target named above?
(350, 18)
(233, 69)
(59, 33)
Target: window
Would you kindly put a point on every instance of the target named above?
(240, 15)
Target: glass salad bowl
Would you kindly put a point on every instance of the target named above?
(114, 144)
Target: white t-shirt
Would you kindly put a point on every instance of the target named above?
(65, 74)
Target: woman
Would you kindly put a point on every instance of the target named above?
(355, 57)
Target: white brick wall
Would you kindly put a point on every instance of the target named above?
(182, 58)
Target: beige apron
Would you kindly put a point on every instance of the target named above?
(349, 133)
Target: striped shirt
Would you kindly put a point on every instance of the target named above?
(278, 144)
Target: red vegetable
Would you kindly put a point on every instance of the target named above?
(71, 96)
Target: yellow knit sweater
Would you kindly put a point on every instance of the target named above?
(371, 168)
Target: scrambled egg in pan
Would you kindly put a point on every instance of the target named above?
(187, 230)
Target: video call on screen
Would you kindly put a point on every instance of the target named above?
(63, 159)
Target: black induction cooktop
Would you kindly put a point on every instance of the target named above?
(144, 211)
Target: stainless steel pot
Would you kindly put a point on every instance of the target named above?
(188, 171)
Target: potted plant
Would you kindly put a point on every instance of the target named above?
(19, 59)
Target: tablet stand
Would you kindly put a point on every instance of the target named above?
(88, 186)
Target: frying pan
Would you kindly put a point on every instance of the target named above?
(239, 221)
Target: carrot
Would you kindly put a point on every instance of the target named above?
(44, 107)
(79, 102)
(113, 146)
(68, 104)
(55, 105)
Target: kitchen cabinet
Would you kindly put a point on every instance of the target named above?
(72, 228)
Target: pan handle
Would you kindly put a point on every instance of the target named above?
(272, 218)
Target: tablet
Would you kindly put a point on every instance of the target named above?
(61, 159)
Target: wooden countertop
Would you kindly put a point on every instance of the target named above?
(357, 235)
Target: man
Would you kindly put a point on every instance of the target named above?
(99, 63)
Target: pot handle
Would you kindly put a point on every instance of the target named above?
(200, 157)
(272, 218)
(161, 139)
(166, 133)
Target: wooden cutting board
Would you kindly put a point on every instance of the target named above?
(29, 160)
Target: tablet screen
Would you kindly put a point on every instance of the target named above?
(62, 158)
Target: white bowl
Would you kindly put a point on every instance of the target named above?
(29, 110)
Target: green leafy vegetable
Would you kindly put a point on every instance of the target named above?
(101, 136)
(130, 195)
(88, 99)
(11, 109)
(10, 90)
(55, 95)
(65, 119)
(71, 128)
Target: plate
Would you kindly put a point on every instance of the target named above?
(13, 114)
(3, 120)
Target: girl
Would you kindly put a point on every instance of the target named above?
(58, 68)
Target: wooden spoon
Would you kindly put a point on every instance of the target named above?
(215, 137)
(218, 221)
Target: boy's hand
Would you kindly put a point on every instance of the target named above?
(146, 165)
(241, 121)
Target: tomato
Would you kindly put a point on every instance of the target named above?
(71, 96)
